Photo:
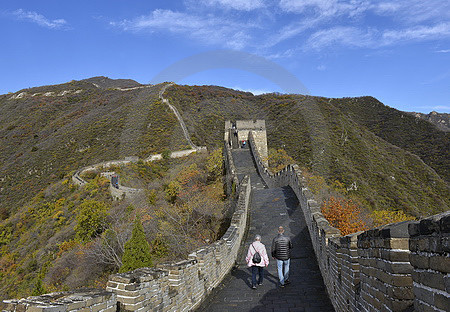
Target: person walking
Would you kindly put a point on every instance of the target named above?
(281, 250)
(257, 259)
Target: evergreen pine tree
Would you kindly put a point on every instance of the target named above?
(137, 250)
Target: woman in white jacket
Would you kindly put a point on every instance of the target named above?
(255, 247)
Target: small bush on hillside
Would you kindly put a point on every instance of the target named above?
(278, 159)
(382, 217)
(91, 220)
(166, 154)
(38, 288)
(214, 164)
(137, 250)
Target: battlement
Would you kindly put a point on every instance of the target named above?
(237, 132)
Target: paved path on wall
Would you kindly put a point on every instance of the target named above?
(80, 181)
(178, 115)
(269, 209)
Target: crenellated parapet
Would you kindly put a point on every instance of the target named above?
(398, 267)
(183, 285)
(87, 300)
(429, 245)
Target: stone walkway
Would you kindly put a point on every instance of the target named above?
(270, 209)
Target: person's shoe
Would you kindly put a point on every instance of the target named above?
(287, 282)
(253, 287)
(260, 284)
(281, 285)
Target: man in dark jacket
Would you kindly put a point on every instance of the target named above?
(281, 250)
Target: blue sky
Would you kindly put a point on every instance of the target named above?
(397, 51)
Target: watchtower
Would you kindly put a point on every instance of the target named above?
(238, 131)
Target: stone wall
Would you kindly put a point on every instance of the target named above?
(123, 191)
(182, 286)
(398, 267)
(243, 128)
(88, 300)
(430, 248)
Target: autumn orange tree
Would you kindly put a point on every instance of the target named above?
(344, 215)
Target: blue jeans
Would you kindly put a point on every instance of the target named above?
(283, 270)
(260, 271)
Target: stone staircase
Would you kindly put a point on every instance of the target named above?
(270, 208)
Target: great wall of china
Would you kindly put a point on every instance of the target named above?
(121, 191)
(398, 267)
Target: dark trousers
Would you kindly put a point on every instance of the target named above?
(257, 270)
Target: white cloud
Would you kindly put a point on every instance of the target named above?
(321, 67)
(410, 11)
(291, 30)
(209, 28)
(417, 33)
(348, 36)
(310, 24)
(241, 5)
(325, 8)
(283, 54)
(443, 51)
(372, 38)
(40, 19)
(414, 11)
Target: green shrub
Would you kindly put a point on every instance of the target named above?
(38, 288)
(137, 250)
(91, 220)
(166, 154)
(214, 164)
(172, 191)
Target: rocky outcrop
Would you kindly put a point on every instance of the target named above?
(440, 120)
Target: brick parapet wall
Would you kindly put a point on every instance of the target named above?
(398, 267)
(183, 285)
(88, 300)
(385, 270)
(430, 258)
(230, 168)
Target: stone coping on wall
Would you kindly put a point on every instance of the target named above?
(83, 300)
